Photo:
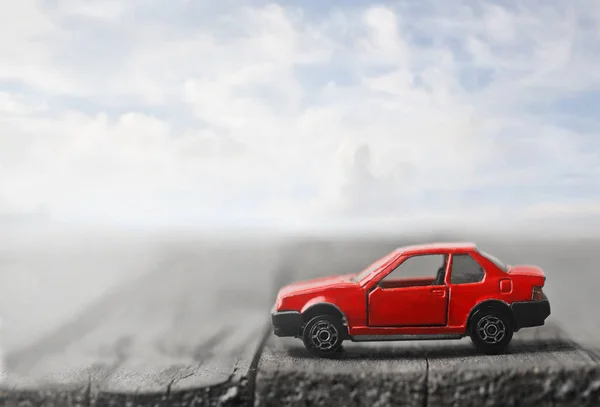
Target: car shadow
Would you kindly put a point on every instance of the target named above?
(430, 351)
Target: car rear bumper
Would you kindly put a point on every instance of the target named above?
(530, 313)
(286, 323)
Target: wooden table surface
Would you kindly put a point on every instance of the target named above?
(195, 330)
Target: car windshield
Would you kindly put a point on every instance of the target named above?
(358, 277)
(494, 260)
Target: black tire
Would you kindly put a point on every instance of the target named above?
(323, 335)
(491, 331)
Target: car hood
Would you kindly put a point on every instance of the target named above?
(315, 284)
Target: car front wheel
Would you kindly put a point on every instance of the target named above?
(323, 335)
(491, 331)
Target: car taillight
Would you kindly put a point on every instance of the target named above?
(537, 294)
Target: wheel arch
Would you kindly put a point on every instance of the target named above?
(492, 304)
(322, 307)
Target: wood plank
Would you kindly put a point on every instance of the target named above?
(187, 334)
(557, 363)
(364, 375)
(184, 334)
(543, 366)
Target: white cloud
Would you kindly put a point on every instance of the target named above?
(383, 43)
(103, 10)
(124, 112)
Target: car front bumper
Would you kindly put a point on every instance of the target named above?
(286, 323)
(530, 313)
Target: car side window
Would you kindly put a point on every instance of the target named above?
(465, 270)
(418, 270)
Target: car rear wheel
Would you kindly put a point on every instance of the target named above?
(323, 335)
(491, 331)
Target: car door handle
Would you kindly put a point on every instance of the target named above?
(439, 292)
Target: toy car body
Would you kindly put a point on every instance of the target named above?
(470, 294)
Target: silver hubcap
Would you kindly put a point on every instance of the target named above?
(323, 335)
(491, 329)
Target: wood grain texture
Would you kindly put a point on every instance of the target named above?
(187, 332)
(548, 366)
(183, 334)
(542, 367)
(363, 375)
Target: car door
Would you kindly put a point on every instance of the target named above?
(412, 294)
(468, 286)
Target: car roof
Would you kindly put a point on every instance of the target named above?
(436, 248)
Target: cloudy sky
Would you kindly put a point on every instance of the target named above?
(197, 112)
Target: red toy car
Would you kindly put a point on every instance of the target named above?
(435, 291)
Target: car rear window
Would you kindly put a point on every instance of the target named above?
(502, 266)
